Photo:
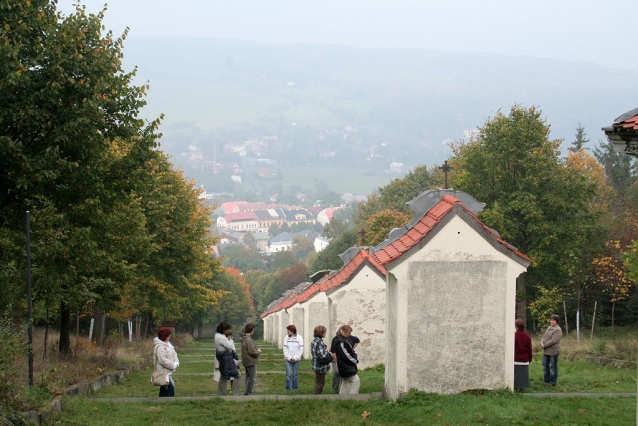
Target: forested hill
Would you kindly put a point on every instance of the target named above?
(415, 100)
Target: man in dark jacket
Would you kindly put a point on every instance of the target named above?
(346, 362)
(249, 357)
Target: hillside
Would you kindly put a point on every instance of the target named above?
(406, 105)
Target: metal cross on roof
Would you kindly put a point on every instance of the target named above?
(446, 168)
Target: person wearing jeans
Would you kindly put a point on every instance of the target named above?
(293, 351)
(551, 349)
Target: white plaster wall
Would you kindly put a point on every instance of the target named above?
(284, 321)
(455, 307)
(316, 309)
(271, 327)
(265, 328)
(298, 318)
(361, 305)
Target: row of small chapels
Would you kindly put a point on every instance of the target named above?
(435, 302)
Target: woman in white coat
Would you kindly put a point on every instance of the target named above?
(293, 350)
(165, 360)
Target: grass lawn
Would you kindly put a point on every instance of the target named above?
(489, 407)
(497, 408)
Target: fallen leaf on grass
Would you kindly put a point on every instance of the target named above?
(365, 414)
(581, 410)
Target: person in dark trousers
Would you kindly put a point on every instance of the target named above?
(522, 356)
(165, 360)
(321, 358)
(551, 349)
(249, 357)
(222, 346)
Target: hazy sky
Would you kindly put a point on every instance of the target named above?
(601, 32)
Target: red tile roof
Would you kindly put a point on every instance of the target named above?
(343, 276)
(432, 218)
(629, 124)
(626, 123)
(235, 217)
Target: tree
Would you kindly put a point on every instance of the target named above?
(397, 193)
(274, 230)
(287, 279)
(331, 199)
(282, 260)
(619, 170)
(328, 258)
(259, 282)
(611, 275)
(579, 140)
(533, 200)
(592, 243)
(242, 258)
(66, 104)
(249, 240)
(302, 246)
(236, 301)
(379, 225)
(112, 221)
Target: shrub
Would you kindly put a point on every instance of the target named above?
(13, 346)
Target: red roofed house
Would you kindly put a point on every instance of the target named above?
(246, 221)
(450, 288)
(354, 295)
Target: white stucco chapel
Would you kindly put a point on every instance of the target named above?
(435, 302)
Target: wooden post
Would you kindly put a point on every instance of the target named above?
(565, 311)
(593, 320)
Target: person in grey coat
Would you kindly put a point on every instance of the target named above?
(249, 357)
(551, 349)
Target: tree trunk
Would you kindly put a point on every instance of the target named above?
(65, 330)
(521, 297)
(46, 336)
(613, 307)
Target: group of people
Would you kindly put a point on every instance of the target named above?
(227, 361)
(341, 356)
(165, 359)
(550, 343)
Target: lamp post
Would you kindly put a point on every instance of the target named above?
(29, 298)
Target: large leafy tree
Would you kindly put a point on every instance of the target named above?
(111, 219)
(236, 300)
(379, 225)
(583, 277)
(534, 201)
(65, 101)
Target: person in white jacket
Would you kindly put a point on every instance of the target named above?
(293, 351)
(165, 360)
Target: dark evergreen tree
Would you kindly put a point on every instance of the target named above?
(580, 140)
